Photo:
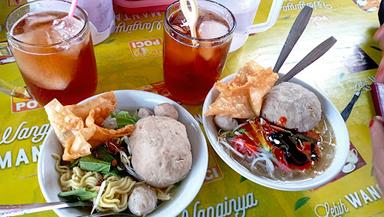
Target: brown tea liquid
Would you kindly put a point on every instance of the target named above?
(55, 57)
(191, 70)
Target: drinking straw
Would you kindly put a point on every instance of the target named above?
(73, 8)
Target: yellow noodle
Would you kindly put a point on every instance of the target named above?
(164, 195)
(76, 178)
(117, 190)
(115, 196)
(59, 168)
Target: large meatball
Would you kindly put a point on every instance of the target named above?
(161, 152)
(142, 200)
(292, 106)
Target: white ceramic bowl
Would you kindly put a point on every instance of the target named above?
(130, 100)
(331, 114)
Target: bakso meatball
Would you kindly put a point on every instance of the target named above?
(142, 200)
(144, 112)
(292, 106)
(161, 151)
(225, 122)
(166, 109)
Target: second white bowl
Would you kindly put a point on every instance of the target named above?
(334, 119)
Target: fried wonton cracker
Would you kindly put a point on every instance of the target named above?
(79, 147)
(262, 82)
(105, 104)
(242, 97)
(234, 106)
(102, 134)
(77, 126)
(66, 126)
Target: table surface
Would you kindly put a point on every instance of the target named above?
(347, 68)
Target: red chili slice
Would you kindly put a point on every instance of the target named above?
(279, 154)
(283, 121)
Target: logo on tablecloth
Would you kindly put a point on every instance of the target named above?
(20, 105)
(214, 172)
(145, 48)
(290, 5)
(353, 200)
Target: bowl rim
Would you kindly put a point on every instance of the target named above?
(295, 185)
(201, 162)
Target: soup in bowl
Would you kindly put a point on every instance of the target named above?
(291, 138)
(115, 175)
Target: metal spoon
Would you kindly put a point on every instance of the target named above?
(296, 31)
(294, 34)
(311, 57)
(21, 209)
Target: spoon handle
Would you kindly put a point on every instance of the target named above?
(315, 54)
(293, 36)
(190, 10)
(21, 209)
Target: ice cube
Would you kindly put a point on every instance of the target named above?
(206, 53)
(65, 28)
(209, 29)
(46, 30)
(56, 69)
(36, 37)
(53, 72)
(49, 75)
(36, 20)
(27, 37)
(32, 29)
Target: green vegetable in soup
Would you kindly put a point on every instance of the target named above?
(124, 118)
(74, 163)
(89, 163)
(80, 193)
(102, 154)
(114, 172)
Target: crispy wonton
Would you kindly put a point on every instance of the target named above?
(105, 104)
(78, 126)
(68, 127)
(242, 97)
(103, 134)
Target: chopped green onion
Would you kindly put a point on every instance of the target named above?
(124, 118)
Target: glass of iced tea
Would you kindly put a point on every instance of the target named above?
(192, 65)
(54, 52)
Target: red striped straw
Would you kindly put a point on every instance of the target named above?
(73, 8)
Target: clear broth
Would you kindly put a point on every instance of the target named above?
(327, 153)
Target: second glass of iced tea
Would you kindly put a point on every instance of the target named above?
(54, 52)
(192, 65)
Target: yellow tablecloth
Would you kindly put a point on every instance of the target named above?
(344, 70)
